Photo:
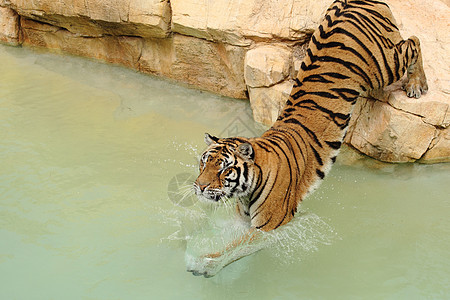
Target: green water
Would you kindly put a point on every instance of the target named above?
(87, 152)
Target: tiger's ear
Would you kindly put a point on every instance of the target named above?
(246, 151)
(209, 139)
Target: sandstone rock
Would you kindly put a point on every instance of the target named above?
(267, 65)
(157, 56)
(219, 68)
(440, 149)
(267, 102)
(9, 26)
(147, 18)
(213, 66)
(120, 50)
(239, 22)
(191, 18)
(380, 131)
(298, 54)
(349, 156)
(433, 107)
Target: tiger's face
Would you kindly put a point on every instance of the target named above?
(226, 169)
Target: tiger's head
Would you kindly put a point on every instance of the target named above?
(226, 169)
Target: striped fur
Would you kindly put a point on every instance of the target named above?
(356, 50)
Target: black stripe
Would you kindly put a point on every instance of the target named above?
(310, 67)
(320, 173)
(289, 109)
(264, 186)
(289, 145)
(346, 90)
(284, 217)
(245, 172)
(335, 145)
(288, 191)
(371, 1)
(241, 140)
(238, 171)
(287, 130)
(349, 66)
(259, 143)
(331, 23)
(296, 142)
(397, 65)
(308, 131)
(280, 139)
(254, 199)
(340, 45)
(317, 78)
(378, 17)
(373, 29)
(317, 155)
(336, 8)
(336, 75)
(362, 28)
(342, 91)
(322, 94)
(338, 30)
(361, 3)
(297, 94)
(332, 115)
(267, 222)
(365, 30)
(368, 24)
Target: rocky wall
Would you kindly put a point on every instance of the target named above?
(247, 49)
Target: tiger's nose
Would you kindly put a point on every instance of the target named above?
(202, 187)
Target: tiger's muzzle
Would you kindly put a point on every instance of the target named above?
(205, 192)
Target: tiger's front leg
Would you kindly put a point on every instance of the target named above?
(246, 241)
(209, 265)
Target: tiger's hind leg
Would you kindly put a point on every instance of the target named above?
(410, 58)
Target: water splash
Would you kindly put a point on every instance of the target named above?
(305, 234)
(211, 229)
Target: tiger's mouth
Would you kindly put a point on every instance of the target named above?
(208, 195)
(212, 196)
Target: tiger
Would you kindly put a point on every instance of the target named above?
(357, 50)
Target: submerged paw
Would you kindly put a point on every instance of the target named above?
(203, 265)
(201, 273)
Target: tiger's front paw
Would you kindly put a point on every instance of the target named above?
(416, 86)
(205, 274)
(206, 265)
